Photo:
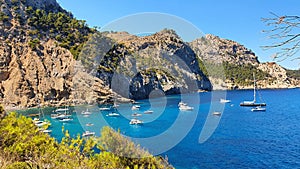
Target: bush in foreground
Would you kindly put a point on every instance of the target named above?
(22, 145)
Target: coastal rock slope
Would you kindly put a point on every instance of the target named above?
(238, 64)
(47, 57)
(143, 65)
(37, 64)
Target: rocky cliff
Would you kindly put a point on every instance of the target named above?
(238, 64)
(217, 50)
(48, 57)
(35, 66)
(161, 61)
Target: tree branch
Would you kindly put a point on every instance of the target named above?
(283, 32)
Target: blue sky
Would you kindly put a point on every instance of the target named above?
(238, 20)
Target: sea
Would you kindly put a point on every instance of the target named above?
(192, 139)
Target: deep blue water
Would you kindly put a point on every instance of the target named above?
(242, 139)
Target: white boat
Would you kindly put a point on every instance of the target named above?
(40, 123)
(135, 122)
(135, 107)
(89, 124)
(253, 102)
(113, 114)
(225, 101)
(148, 112)
(185, 108)
(54, 116)
(182, 104)
(258, 108)
(88, 133)
(66, 120)
(87, 112)
(104, 108)
(63, 116)
(61, 113)
(216, 113)
(46, 131)
(136, 114)
(60, 116)
(62, 110)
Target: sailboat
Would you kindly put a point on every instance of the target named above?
(253, 102)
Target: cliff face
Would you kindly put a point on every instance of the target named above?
(214, 50)
(39, 41)
(29, 78)
(279, 74)
(35, 68)
(161, 61)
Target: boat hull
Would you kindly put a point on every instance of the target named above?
(253, 104)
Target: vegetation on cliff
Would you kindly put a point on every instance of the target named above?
(22, 145)
(41, 24)
(70, 32)
(293, 74)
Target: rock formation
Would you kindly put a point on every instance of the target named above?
(48, 57)
(161, 61)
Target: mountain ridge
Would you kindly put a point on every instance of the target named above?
(46, 57)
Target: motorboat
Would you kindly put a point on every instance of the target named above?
(135, 122)
(113, 114)
(47, 131)
(258, 108)
(40, 123)
(87, 112)
(182, 104)
(135, 107)
(225, 101)
(185, 108)
(136, 114)
(66, 120)
(88, 133)
(148, 112)
(89, 124)
(216, 113)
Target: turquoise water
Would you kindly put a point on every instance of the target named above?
(242, 139)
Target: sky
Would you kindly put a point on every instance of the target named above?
(238, 20)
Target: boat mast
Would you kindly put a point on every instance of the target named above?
(254, 88)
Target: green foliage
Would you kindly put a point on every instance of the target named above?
(34, 44)
(15, 2)
(19, 165)
(70, 32)
(3, 17)
(2, 112)
(202, 66)
(22, 145)
(293, 74)
(243, 74)
(130, 154)
(238, 74)
(111, 59)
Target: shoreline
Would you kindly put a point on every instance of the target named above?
(15, 108)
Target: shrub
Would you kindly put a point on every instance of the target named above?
(3, 17)
(20, 141)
